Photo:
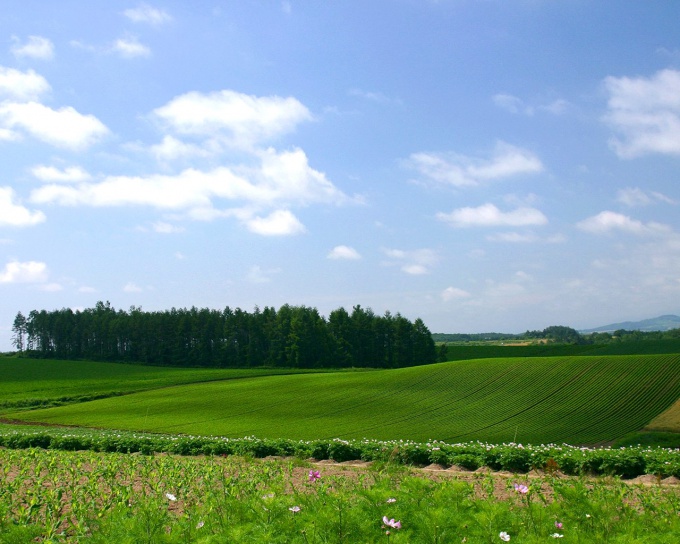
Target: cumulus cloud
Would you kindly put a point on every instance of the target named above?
(144, 13)
(488, 215)
(36, 47)
(277, 223)
(344, 253)
(71, 174)
(24, 272)
(22, 86)
(645, 112)
(279, 181)
(414, 262)
(244, 119)
(460, 170)
(64, 127)
(130, 47)
(172, 149)
(13, 214)
(607, 222)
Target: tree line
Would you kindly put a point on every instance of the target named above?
(292, 337)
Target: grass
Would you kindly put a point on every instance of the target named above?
(578, 400)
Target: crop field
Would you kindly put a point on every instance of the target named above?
(577, 400)
(53, 496)
(36, 382)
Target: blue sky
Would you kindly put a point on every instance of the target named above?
(485, 165)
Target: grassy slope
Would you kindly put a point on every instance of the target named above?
(46, 380)
(580, 400)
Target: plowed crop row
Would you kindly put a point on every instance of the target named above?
(578, 400)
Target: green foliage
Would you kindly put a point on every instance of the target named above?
(624, 462)
(168, 499)
(292, 337)
(578, 400)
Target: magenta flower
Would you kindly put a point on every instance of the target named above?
(558, 524)
(521, 489)
(392, 523)
(314, 475)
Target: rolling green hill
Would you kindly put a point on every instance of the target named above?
(578, 400)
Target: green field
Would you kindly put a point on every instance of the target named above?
(578, 400)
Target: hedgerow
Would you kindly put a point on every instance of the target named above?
(626, 462)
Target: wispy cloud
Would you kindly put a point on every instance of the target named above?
(454, 293)
(645, 113)
(634, 196)
(460, 170)
(144, 13)
(607, 222)
(130, 47)
(36, 47)
(344, 253)
(488, 215)
(413, 262)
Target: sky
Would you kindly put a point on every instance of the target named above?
(485, 165)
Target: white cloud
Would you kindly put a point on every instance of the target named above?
(51, 287)
(37, 47)
(245, 119)
(607, 222)
(130, 47)
(513, 237)
(414, 262)
(453, 293)
(373, 96)
(62, 128)
(460, 170)
(14, 214)
(488, 215)
(86, 289)
(257, 275)
(24, 272)
(162, 227)
(344, 253)
(171, 149)
(22, 86)
(132, 287)
(646, 114)
(511, 103)
(71, 174)
(144, 13)
(280, 181)
(633, 196)
(277, 223)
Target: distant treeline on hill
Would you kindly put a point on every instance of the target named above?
(561, 335)
(292, 336)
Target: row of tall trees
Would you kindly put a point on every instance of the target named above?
(292, 336)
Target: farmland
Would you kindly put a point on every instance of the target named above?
(577, 400)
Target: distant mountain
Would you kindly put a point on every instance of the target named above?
(661, 323)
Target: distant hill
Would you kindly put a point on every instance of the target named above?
(661, 323)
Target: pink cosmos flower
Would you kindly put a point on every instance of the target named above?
(314, 475)
(392, 523)
(558, 524)
(521, 489)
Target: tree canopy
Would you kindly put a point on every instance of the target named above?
(292, 336)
